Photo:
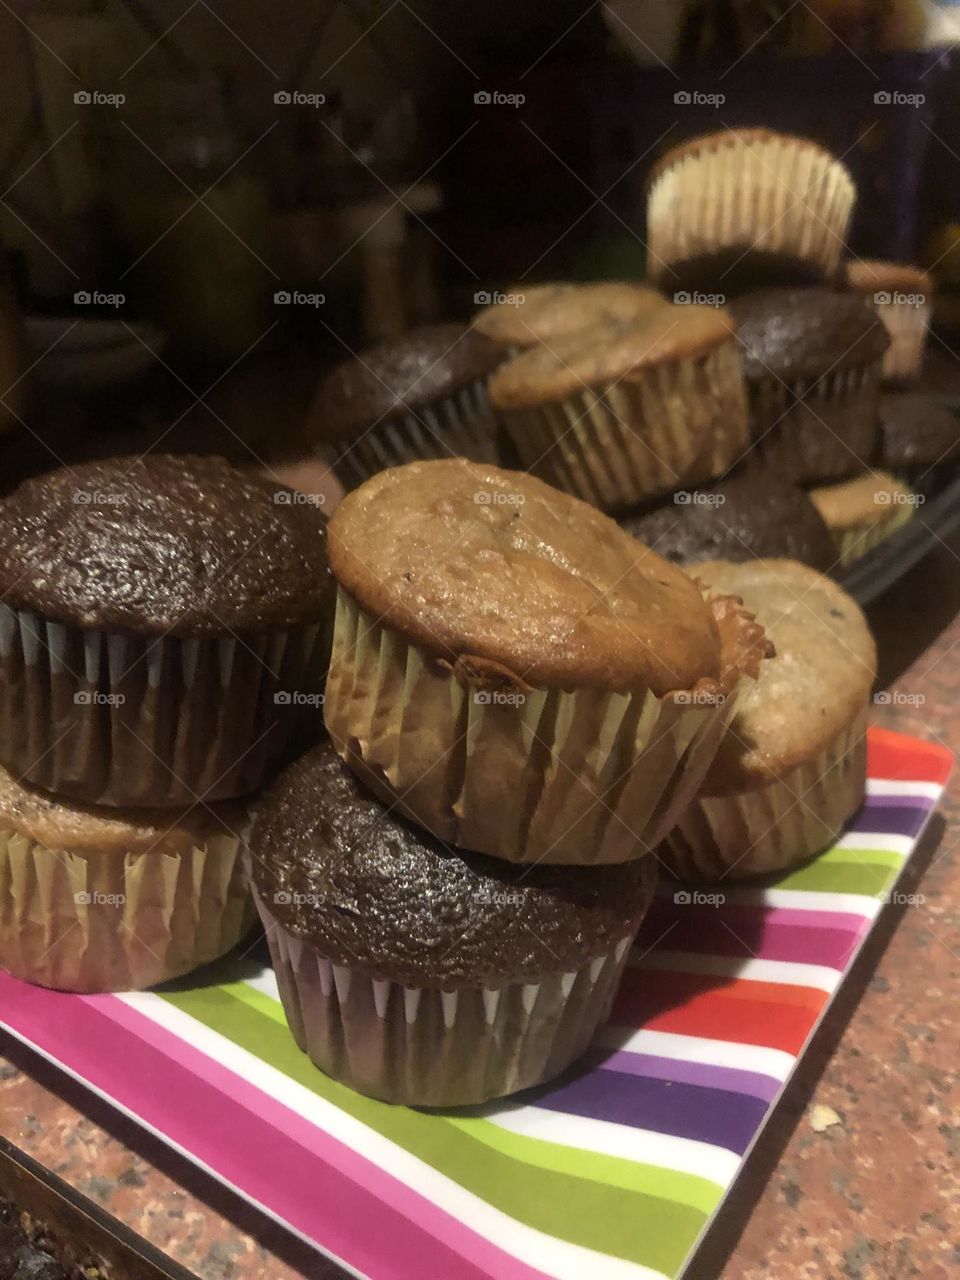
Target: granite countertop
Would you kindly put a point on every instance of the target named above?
(855, 1175)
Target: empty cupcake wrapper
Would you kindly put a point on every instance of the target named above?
(563, 777)
(428, 1048)
(115, 921)
(461, 425)
(154, 722)
(776, 826)
(617, 445)
(821, 429)
(776, 196)
(907, 324)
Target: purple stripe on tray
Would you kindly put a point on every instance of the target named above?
(894, 802)
(703, 1074)
(898, 820)
(715, 1116)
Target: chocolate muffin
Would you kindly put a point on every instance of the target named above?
(812, 361)
(625, 411)
(423, 395)
(791, 770)
(423, 974)
(164, 629)
(96, 899)
(740, 518)
(517, 674)
(547, 313)
(742, 208)
(917, 433)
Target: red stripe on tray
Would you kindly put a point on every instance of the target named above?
(897, 758)
(739, 1010)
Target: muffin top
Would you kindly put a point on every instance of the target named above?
(403, 374)
(871, 275)
(917, 431)
(814, 687)
(342, 872)
(511, 582)
(729, 139)
(548, 312)
(806, 333)
(60, 824)
(611, 352)
(754, 514)
(185, 546)
(867, 499)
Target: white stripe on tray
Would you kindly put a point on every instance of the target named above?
(557, 1258)
(754, 1058)
(788, 972)
(892, 787)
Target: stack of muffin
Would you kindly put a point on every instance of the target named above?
(164, 638)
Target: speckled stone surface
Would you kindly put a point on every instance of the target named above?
(855, 1177)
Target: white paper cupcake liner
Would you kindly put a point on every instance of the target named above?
(460, 425)
(116, 921)
(773, 827)
(154, 722)
(422, 1047)
(779, 196)
(855, 542)
(618, 445)
(551, 775)
(818, 429)
(907, 326)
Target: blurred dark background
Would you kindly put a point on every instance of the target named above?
(204, 205)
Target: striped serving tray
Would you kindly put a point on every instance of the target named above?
(614, 1173)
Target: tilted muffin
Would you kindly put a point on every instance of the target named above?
(549, 313)
(917, 433)
(903, 298)
(623, 412)
(116, 899)
(423, 974)
(164, 629)
(741, 208)
(791, 770)
(517, 674)
(755, 513)
(423, 395)
(864, 511)
(812, 360)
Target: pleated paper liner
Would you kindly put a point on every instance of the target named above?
(572, 777)
(907, 326)
(461, 425)
(118, 921)
(819, 430)
(856, 541)
(780, 197)
(776, 826)
(152, 722)
(429, 1048)
(641, 436)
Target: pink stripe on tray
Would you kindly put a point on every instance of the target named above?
(762, 933)
(220, 1117)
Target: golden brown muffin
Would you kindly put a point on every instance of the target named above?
(740, 208)
(625, 411)
(903, 297)
(863, 511)
(116, 899)
(792, 767)
(551, 312)
(514, 671)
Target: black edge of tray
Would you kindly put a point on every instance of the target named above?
(68, 1214)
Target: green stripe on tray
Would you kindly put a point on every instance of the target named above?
(869, 872)
(617, 1211)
